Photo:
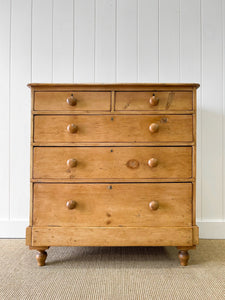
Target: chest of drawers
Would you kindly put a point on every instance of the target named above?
(113, 165)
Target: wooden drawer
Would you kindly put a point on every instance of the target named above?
(80, 101)
(153, 101)
(114, 128)
(112, 162)
(144, 204)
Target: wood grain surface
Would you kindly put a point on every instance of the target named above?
(84, 101)
(116, 128)
(112, 204)
(176, 101)
(111, 162)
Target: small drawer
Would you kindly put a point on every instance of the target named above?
(113, 128)
(153, 101)
(72, 101)
(112, 162)
(110, 205)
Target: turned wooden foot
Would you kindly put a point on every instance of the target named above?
(184, 257)
(41, 257)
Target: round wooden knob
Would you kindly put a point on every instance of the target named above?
(154, 100)
(153, 162)
(154, 128)
(71, 100)
(71, 163)
(71, 204)
(72, 128)
(154, 205)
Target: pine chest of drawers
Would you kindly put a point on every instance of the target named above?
(113, 165)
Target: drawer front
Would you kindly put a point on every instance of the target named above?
(72, 101)
(166, 204)
(116, 128)
(112, 162)
(153, 101)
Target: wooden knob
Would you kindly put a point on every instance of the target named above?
(154, 100)
(154, 128)
(153, 162)
(72, 128)
(71, 100)
(71, 204)
(71, 163)
(154, 205)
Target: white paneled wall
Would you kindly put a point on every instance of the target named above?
(111, 41)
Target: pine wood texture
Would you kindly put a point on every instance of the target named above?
(113, 165)
(176, 101)
(112, 236)
(117, 128)
(84, 101)
(112, 205)
(111, 162)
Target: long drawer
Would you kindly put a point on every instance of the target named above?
(145, 204)
(72, 101)
(112, 162)
(153, 101)
(114, 128)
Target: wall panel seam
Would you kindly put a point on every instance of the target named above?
(52, 40)
(9, 113)
(201, 101)
(94, 46)
(223, 107)
(116, 41)
(138, 42)
(158, 38)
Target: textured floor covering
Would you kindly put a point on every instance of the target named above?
(112, 273)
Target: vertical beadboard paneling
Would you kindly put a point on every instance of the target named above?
(190, 69)
(169, 41)
(148, 41)
(84, 35)
(63, 41)
(42, 41)
(223, 101)
(212, 109)
(190, 48)
(127, 45)
(20, 109)
(5, 51)
(105, 41)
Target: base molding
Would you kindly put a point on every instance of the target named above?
(211, 229)
(13, 229)
(208, 229)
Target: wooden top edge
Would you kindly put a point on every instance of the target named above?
(111, 85)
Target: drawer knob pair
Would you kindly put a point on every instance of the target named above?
(71, 100)
(154, 205)
(154, 100)
(71, 163)
(72, 128)
(154, 128)
(71, 204)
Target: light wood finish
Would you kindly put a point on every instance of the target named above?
(112, 86)
(113, 165)
(84, 101)
(113, 129)
(113, 204)
(153, 101)
(112, 236)
(111, 162)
